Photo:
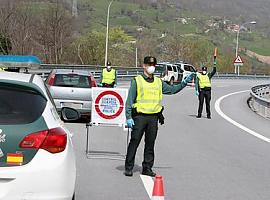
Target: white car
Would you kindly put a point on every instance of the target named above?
(185, 69)
(174, 72)
(168, 72)
(37, 160)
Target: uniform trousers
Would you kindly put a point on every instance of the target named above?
(147, 125)
(204, 94)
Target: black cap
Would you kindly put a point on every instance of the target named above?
(109, 63)
(204, 68)
(150, 60)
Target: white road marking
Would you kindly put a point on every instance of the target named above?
(217, 107)
(148, 184)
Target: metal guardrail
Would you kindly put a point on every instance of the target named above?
(126, 73)
(260, 100)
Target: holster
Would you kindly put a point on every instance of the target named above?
(161, 117)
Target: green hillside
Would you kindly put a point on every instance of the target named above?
(163, 23)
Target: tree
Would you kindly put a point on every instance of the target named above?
(90, 48)
(5, 45)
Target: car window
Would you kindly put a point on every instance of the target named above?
(174, 69)
(169, 67)
(160, 68)
(28, 109)
(186, 67)
(192, 69)
(179, 69)
(72, 80)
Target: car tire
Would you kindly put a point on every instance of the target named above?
(171, 81)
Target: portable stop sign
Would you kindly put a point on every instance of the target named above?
(108, 106)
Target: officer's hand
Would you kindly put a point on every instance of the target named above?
(100, 85)
(197, 93)
(188, 78)
(130, 123)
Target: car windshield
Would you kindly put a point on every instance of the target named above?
(160, 68)
(20, 106)
(72, 80)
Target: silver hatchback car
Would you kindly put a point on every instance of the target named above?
(72, 88)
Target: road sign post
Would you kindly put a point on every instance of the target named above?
(237, 63)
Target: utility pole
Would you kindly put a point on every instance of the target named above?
(74, 8)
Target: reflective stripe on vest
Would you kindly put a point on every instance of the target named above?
(108, 77)
(204, 80)
(149, 96)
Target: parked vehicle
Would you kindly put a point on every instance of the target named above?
(37, 159)
(173, 72)
(168, 72)
(185, 69)
(72, 88)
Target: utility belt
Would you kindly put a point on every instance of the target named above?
(160, 115)
(108, 85)
(205, 89)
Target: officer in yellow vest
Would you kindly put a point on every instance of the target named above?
(203, 89)
(144, 110)
(108, 76)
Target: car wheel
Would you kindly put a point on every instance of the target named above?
(171, 81)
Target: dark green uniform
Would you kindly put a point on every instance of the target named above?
(144, 123)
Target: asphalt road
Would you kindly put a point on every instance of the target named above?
(199, 159)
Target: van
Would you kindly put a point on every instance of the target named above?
(173, 72)
(169, 72)
(185, 69)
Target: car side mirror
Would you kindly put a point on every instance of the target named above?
(70, 114)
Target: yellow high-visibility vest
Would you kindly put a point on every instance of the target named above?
(204, 80)
(149, 96)
(108, 77)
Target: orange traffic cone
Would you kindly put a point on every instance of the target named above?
(158, 192)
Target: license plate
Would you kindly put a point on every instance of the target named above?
(72, 105)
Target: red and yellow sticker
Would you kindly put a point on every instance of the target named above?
(14, 158)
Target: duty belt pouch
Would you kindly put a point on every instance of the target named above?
(161, 116)
(134, 112)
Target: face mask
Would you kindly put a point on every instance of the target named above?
(204, 72)
(108, 67)
(150, 70)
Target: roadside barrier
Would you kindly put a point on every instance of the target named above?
(260, 100)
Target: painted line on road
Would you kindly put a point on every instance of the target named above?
(217, 107)
(148, 184)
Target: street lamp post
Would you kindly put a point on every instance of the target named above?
(237, 41)
(107, 33)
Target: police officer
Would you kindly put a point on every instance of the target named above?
(203, 89)
(108, 76)
(143, 110)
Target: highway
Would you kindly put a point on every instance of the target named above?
(225, 158)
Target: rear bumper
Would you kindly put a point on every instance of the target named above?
(46, 177)
(83, 107)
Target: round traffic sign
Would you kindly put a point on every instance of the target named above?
(108, 108)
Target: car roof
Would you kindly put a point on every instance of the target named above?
(29, 80)
(15, 76)
(68, 71)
